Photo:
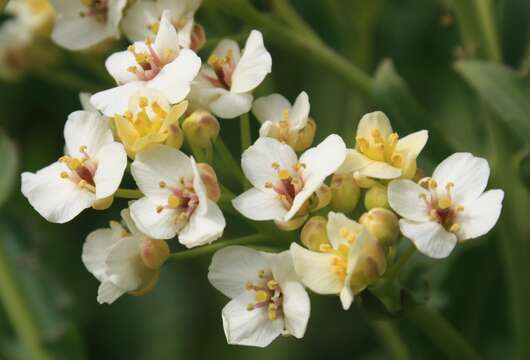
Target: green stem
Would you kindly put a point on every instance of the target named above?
(390, 338)
(484, 10)
(246, 138)
(17, 309)
(228, 159)
(297, 44)
(284, 10)
(442, 333)
(395, 270)
(128, 194)
(208, 249)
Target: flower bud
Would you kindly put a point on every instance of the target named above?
(103, 204)
(198, 37)
(376, 197)
(382, 224)
(154, 253)
(292, 224)
(201, 128)
(209, 178)
(175, 136)
(364, 182)
(345, 193)
(320, 199)
(314, 233)
(305, 136)
(370, 266)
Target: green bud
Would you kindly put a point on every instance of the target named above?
(382, 224)
(345, 193)
(314, 233)
(376, 197)
(370, 266)
(305, 137)
(201, 128)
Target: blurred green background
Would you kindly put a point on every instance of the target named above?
(431, 64)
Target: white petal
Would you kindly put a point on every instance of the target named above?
(85, 128)
(203, 92)
(404, 198)
(469, 174)
(200, 189)
(203, 228)
(118, 64)
(300, 112)
(320, 162)
(166, 38)
(230, 105)
(374, 120)
(174, 80)
(124, 265)
(114, 15)
(337, 222)
(259, 205)
(479, 217)
(138, 18)
(160, 163)
(411, 145)
(112, 161)
(56, 199)
(258, 159)
(346, 297)
(357, 162)
(296, 308)
(156, 225)
(251, 328)
(84, 99)
(234, 266)
(315, 270)
(116, 100)
(78, 33)
(108, 293)
(225, 46)
(270, 108)
(95, 250)
(282, 267)
(430, 238)
(254, 65)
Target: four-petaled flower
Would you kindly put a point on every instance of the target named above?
(88, 175)
(267, 297)
(450, 206)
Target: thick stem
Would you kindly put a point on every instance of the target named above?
(395, 270)
(128, 194)
(284, 10)
(228, 159)
(391, 340)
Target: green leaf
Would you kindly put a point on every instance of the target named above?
(9, 161)
(504, 90)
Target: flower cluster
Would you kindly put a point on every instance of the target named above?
(166, 102)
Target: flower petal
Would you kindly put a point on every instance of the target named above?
(412, 144)
(404, 198)
(230, 105)
(282, 267)
(357, 162)
(479, 217)
(224, 47)
(254, 65)
(155, 224)
(346, 297)
(469, 174)
(296, 308)
(259, 205)
(234, 266)
(124, 265)
(112, 161)
(203, 228)
(300, 112)
(374, 120)
(85, 128)
(95, 250)
(78, 33)
(135, 23)
(270, 108)
(115, 101)
(108, 293)
(430, 238)
(118, 64)
(167, 38)
(336, 223)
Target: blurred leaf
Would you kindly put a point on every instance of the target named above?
(524, 169)
(9, 161)
(503, 89)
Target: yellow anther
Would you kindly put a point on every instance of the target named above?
(162, 184)
(297, 166)
(433, 184)
(325, 247)
(148, 40)
(132, 69)
(64, 175)
(143, 102)
(87, 3)
(82, 148)
(154, 27)
(250, 307)
(261, 296)
(128, 115)
(174, 201)
(285, 116)
(423, 196)
(275, 165)
(460, 208)
(268, 184)
(85, 185)
(140, 57)
(376, 134)
(213, 59)
(261, 274)
(131, 48)
(433, 214)
(272, 315)
(397, 159)
(249, 285)
(157, 109)
(454, 228)
(444, 203)
(73, 163)
(272, 284)
(393, 139)
(229, 55)
(449, 185)
(284, 174)
(159, 209)
(363, 144)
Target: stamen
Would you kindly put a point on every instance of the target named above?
(213, 59)
(249, 285)
(432, 184)
(174, 201)
(268, 184)
(261, 274)
(64, 175)
(250, 307)
(162, 184)
(460, 208)
(143, 102)
(272, 284)
(454, 228)
(159, 209)
(275, 165)
(284, 174)
(444, 203)
(261, 296)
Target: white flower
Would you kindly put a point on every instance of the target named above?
(117, 258)
(176, 200)
(32, 13)
(380, 153)
(143, 19)
(15, 42)
(89, 173)
(345, 265)
(267, 297)
(280, 120)
(160, 65)
(282, 183)
(449, 207)
(81, 24)
(225, 85)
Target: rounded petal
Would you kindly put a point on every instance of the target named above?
(254, 65)
(167, 37)
(469, 174)
(230, 105)
(336, 223)
(114, 16)
(118, 64)
(227, 45)
(84, 99)
(315, 270)
(108, 293)
(77, 33)
(115, 101)
(251, 328)
(56, 199)
(300, 112)
(270, 108)
(203, 92)
(479, 217)
(203, 228)
(346, 297)
(135, 23)
(259, 205)
(112, 161)
(234, 266)
(282, 267)
(296, 308)
(374, 120)
(156, 225)
(411, 145)
(124, 265)
(95, 250)
(357, 162)
(404, 198)
(85, 128)
(430, 238)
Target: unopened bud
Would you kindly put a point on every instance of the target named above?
(314, 233)
(376, 197)
(154, 253)
(292, 224)
(201, 128)
(382, 224)
(370, 266)
(364, 182)
(305, 136)
(175, 136)
(345, 193)
(103, 204)
(198, 37)
(321, 198)
(209, 178)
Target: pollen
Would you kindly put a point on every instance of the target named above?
(268, 184)
(143, 102)
(64, 175)
(275, 165)
(162, 184)
(261, 296)
(174, 201)
(455, 228)
(154, 27)
(376, 134)
(432, 184)
(284, 174)
(213, 59)
(272, 284)
(444, 203)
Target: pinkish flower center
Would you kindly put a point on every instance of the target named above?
(268, 295)
(288, 183)
(98, 9)
(150, 63)
(440, 204)
(224, 69)
(81, 171)
(182, 199)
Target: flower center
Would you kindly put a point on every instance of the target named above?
(224, 68)
(339, 262)
(440, 204)
(288, 183)
(267, 295)
(81, 170)
(96, 8)
(150, 63)
(142, 122)
(378, 148)
(182, 199)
